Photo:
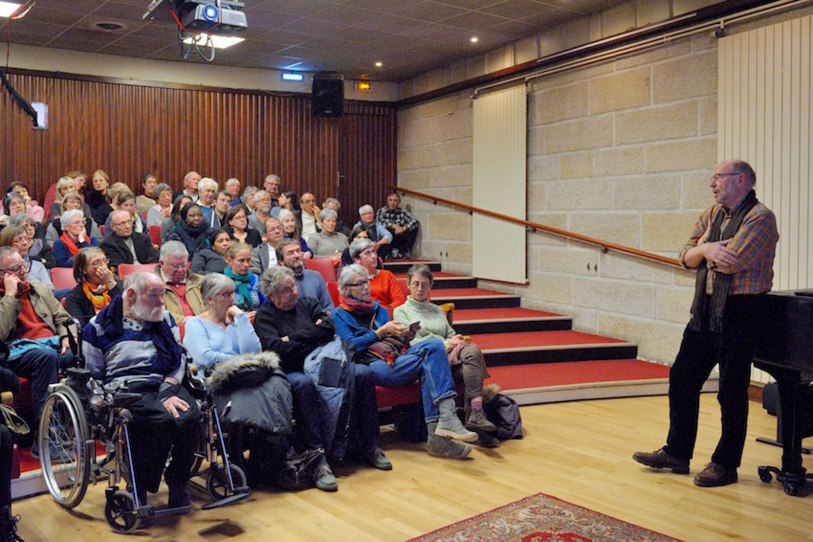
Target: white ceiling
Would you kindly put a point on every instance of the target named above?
(349, 36)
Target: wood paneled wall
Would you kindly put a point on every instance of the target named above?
(130, 129)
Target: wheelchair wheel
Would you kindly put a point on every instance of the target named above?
(120, 512)
(64, 455)
(218, 484)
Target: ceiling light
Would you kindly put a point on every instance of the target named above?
(8, 8)
(475, 39)
(218, 42)
(292, 76)
(379, 64)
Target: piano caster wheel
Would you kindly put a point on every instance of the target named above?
(791, 489)
(764, 474)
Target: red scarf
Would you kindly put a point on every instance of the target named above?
(355, 306)
(65, 238)
(29, 323)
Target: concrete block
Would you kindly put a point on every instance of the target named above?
(686, 77)
(549, 287)
(619, 161)
(707, 115)
(568, 260)
(680, 7)
(571, 195)
(619, 228)
(658, 54)
(415, 179)
(536, 140)
(476, 67)
(699, 153)
(526, 49)
(577, 33)
(458, 252)
(552, 41)
(615, 265)
(623, 90)
(695, 190)
(648, 192)
(455, 226)
(500, 59)
(440, 106)
(451, 176)
(614, 296)
(426, 131)
(465, 150)
(536, 196)
(657, 123)
(543, 168)
(579, 134)
(658, 341)
(577, 165)
(674, 304)
(618, 19)
(542, 237)
(685, 277)
(457, 72)
(456, 124)
(463, 195)
(448, 153)
(666, 231)
(651, 11)
(562, 103)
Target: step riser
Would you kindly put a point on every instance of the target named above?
(508, 326)
(463, 282)
(524, 357)
(485, 302)
(403, 267)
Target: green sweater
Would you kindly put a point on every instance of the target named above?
(432, 318)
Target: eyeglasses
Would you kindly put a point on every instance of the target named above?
(225, 295)
(717, 176)
(359, 284)
(15, 269)
(100, 263)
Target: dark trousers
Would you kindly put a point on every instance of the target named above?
(306, 410)
(6, 461)
(366, 411)
(154, 432)
(402, 242)
(700, 351)
(40, 366)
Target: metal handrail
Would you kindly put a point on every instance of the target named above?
(534, 226)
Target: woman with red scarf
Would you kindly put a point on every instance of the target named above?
(73, 238)
(96, 285)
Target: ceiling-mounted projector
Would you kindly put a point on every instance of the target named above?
(215, 16)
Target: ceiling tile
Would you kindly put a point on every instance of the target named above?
(430, 11)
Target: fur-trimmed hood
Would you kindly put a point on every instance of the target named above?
(226, 370)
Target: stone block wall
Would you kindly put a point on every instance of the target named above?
(620, 151)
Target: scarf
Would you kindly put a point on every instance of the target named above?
(100, 298)
(714, 308)
(243, 289)
(354, 306)
(72, 248)
(22, 290)
(192, 238)
(169, 352)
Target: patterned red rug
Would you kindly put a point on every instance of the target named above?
(541, 518)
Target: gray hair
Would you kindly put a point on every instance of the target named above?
(272, 176)
(359, 245)
(21, 219)
(281, 247)
(273, 277)
(159, 188)
(66, 217)
(249, 191)
(283, 213)
(7, 251)
(422, 270)
(349, 275)
(214, 283)
(138, 281)
(232, 181)
(324, 214)
(366, 209)
(175, 249)
(207, 181)
(332, 200)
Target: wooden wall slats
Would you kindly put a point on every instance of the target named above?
(128, 130)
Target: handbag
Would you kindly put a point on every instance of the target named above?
(14, 422)
(390, 348)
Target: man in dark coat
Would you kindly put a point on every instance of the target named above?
(124, 245)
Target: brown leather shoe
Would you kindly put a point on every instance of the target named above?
(715, 475)
(659, 459)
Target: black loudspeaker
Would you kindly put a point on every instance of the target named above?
(327, 94)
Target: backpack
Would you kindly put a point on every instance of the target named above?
(503, 412)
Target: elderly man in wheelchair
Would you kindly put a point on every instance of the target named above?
(134, 343)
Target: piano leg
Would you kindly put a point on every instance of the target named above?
(792, 475)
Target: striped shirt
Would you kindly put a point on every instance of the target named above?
(755, 245)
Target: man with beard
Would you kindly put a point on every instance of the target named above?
(135, 343)
(309, 283)
(262, 211)
(124, 245)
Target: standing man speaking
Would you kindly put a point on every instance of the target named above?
(732, 248)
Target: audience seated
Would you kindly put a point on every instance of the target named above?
(328, 243)
(72, 239)
(236, 222)
(111, 203)
(135, 342)
(265, 255)
(207, 192)
(221, 207)
(97, 191)
(211, 257)
(65, 186)
(123, 245)
(401, 224)
(376, 232)
(335, 205)
(182, 297)
(163, 207)
(262, 210)
(309, 216)
(8, 522)
(17, 237)
(190, 229)
(190, 186)
(169, 223)
(232, 186)
(32, 208)
(146, 200)
(35, 326)
(271, 184)
(384, 287)
(39, 249)
(95, 288)
(248, 295)
(289, 230)
(71, 201)
(309, 283)
(288, 201)
(364, 322)
(126, 202)
(14, 205)
(248, 199)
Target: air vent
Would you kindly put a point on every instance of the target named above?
(108, 26)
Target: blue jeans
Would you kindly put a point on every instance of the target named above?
(306, 410)
(40, 366)
(426, 360)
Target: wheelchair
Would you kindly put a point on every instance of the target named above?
(79, 413)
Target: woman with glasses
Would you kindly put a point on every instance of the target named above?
(39, 249)
(71, 201)
(18, 237)
(384, 286)
(236, 223)
(95, 288)
(73, 238)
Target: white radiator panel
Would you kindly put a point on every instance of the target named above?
(499, 184)
(764, 117)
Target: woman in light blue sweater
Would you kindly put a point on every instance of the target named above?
(223, 330)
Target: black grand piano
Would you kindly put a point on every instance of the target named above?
(786, 353)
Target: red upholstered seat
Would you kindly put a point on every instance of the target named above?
(324, 266)
(155, 234)
(62, 277)
(333, 290)
(128, 268)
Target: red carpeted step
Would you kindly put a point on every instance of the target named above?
(520, 348)
(471, 298)
(540, 375)
(402, 266)
(507, 319)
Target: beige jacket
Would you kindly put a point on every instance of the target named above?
(45, 305)
(173, 305)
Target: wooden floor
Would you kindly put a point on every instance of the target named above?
(579, 452)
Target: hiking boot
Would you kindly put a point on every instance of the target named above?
(323, 478)
(378, 460)
(715, 475)
(8, 527)
(486, 441)
(478, 421)
(659, 459)
(445, 447)
(449, 425)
